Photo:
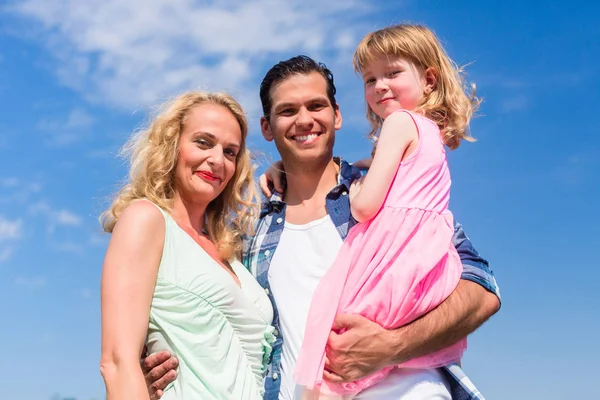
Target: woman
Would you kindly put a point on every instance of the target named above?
(171, 267)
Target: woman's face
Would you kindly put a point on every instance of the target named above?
(208, 147)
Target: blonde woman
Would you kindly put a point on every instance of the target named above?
(171, 268)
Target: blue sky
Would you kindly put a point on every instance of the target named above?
(76, 78)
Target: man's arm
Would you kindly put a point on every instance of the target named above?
(366, 347)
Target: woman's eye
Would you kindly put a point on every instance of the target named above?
(202, 142)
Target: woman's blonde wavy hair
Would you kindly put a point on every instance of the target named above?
(153, 154)
(450, 104)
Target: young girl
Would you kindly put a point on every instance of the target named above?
(398, 263)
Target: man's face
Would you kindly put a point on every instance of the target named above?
(303, 121)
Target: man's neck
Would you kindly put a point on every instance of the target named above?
(310, 185)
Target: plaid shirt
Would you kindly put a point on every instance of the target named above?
(259, 250)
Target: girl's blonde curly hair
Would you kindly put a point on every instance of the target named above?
(450, 104)
(153, 154)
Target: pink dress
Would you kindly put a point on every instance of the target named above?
(393, 268)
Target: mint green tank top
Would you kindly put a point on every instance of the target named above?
(221, 333)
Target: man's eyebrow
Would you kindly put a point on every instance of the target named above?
(290, 104)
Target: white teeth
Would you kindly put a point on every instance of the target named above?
(305, 137)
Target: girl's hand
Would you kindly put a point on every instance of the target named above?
(273, 175)
(355, 188)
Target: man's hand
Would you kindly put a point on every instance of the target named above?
(362, 348)
(274, 175)
(159, 369)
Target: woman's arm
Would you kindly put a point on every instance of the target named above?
(128, 279)
(398, 134)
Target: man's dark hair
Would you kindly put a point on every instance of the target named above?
(281, 71)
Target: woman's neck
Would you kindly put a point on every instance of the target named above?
(188, 213)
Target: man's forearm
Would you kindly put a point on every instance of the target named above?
(466, 309)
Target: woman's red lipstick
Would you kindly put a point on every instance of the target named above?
(208, 176)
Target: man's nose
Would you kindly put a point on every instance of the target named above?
(304, 117)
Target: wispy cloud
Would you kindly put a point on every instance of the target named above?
(35, 282)
(134, 53)
(71, 129)
(6, 253)
(55, 217)
(68, 247)
(516, 103)
(579, 167)
(9, 182)
(9, 229)
(14, 190)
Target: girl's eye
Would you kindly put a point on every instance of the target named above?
(369, 81)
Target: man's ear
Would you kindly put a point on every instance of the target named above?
(338, 118)
(265, 128)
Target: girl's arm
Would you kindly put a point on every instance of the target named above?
(128, 278)
(398, 134)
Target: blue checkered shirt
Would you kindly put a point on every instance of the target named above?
(259, 250)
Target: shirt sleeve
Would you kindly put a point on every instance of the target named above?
(475, 268)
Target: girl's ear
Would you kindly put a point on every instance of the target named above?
(431, 78)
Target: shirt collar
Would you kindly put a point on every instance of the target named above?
(348, 174)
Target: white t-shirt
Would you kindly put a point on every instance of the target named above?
(303, 256)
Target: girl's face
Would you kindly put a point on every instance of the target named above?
(393, 83)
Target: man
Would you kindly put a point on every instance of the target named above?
(297, 239)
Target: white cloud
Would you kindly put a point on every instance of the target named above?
(68, 247)
(516, 103)
(9, 182)
(9, 229)
(55, 217)
(64, 217)
(70, 129)
(99, 239)
(35, 282)
(13, 190)
(579, 167)
(61, 217)
(5, 254)
(132, 53)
